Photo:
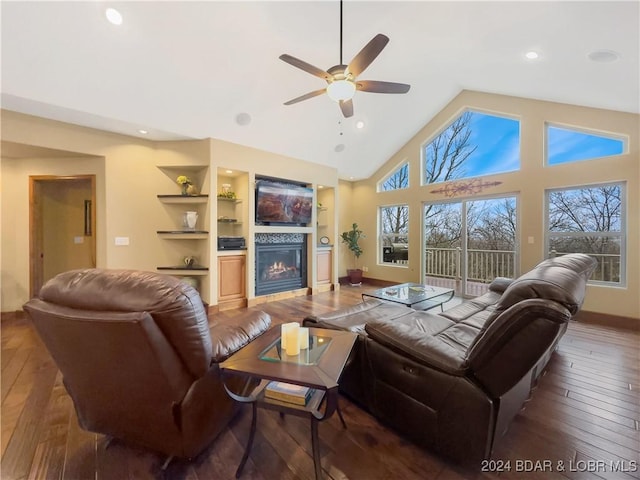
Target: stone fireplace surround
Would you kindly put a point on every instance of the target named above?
(281, 262)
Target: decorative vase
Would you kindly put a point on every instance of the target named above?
(192, 189)
(185, 187)
(190, 219)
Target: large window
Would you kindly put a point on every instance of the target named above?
(473, 145)
(566, 145)
(394, 234)
(589, 220)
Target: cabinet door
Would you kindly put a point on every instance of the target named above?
(324, 266)
(231, 277)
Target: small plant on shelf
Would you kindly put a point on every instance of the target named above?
(230, 195)
(185, 183)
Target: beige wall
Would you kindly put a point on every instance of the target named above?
(528, 184)
(130, 174)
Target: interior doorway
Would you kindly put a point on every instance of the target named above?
(62, 220)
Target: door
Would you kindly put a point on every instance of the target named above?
(62, 226)
(469, 243)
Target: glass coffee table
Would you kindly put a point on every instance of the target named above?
(413, 295)
(319, 367)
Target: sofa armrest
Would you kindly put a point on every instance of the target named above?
(227, 338)
(500, 284)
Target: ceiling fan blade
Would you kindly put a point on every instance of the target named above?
(347, 108)
(307, 67)
(368, 54)
(374, 86)
(306, 96)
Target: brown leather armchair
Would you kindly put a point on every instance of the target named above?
(138, 356)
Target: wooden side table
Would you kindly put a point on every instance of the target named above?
(318, 367)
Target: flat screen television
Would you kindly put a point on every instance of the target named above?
(281, 203)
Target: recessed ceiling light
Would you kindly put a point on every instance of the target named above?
(320, 186)
(229, 171)
(531, 55)
(143, 132)
(243, 119)
(339, 148)
(359, 124)
(114, 16)
(604, 56)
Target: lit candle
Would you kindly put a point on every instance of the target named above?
(304, 338)
(292, 345)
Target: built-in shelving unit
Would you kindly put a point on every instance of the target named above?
(194, 242)
(232, 221)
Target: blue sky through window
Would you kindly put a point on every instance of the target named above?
(478, 143)
(564, 146)
(498, 141)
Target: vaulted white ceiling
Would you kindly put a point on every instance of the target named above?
(188, 69)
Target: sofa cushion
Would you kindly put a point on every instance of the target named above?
(423, 336)
(355, 317)
(471, 307)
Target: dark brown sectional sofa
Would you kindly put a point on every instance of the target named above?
(453, 381)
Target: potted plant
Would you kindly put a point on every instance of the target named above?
(351, 238)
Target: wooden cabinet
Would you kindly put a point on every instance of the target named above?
(324, 266)
(232, 288)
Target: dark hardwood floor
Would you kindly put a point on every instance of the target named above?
(582, 422)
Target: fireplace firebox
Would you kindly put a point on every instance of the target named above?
(280, 267)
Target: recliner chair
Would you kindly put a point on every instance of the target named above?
(138, 356)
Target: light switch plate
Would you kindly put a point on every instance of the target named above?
(122, 241)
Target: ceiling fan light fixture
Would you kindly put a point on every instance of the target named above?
(341, 90)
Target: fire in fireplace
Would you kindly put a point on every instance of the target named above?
(280, 270)
(280, 267)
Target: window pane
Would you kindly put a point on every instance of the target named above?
(589, 220)
(606, 250)
(399, 179)
(597, 209)
(394, 234)
(565, 145)
(475, 144)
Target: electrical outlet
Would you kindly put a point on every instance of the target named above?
(365, 269)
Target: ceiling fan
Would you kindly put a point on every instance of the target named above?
(341, 79)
